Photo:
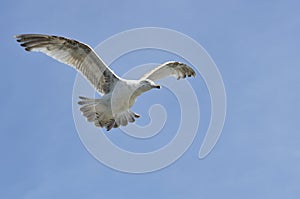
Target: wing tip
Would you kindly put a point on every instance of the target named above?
(19, 39)
(18, 36)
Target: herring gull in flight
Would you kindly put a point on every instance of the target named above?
(118, 94)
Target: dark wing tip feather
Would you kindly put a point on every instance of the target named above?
(185, 70)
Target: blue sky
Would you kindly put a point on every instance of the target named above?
(255, 45)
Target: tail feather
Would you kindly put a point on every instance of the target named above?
(95, 110)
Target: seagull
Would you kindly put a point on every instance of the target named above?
(118, 94)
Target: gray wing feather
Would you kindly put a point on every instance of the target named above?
(177, 69)
(73, 53)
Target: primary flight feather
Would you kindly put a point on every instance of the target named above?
(119, 95)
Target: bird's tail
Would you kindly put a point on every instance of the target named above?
(96, 111)
(92, 109)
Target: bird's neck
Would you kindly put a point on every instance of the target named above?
(137, 92)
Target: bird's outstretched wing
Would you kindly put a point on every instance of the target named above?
(177, 69)
(73, 53)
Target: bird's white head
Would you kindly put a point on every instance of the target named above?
(148, 84)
